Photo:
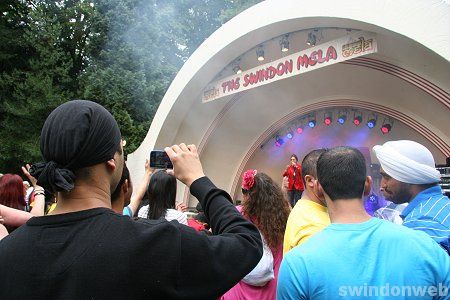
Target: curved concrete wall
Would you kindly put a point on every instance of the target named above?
(409, 74)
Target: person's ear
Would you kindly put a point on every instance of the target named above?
(367, 186)
(310, 181)
(111, 164)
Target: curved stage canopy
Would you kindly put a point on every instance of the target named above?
(400, 79)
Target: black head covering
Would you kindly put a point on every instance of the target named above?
(76, 134)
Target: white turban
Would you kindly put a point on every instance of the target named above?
(408, 162)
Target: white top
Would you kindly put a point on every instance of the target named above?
(171, 214)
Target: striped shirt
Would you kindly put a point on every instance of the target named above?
(429, 211)
(391, 213)
(171, 214)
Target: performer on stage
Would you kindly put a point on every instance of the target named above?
(294, 174)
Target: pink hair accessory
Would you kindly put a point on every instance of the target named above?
(248, 179)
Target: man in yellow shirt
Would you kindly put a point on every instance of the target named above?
(309, 214)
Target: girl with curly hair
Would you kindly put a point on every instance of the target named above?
(265, 205)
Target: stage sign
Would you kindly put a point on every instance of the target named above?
(342, 49)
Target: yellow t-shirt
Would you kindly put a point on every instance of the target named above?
(306, 219)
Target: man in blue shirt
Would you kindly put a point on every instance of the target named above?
(409, 176)
(358, 256)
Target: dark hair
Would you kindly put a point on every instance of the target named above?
(125, 176)
(162, 191)
(267, 208)
(309, 164)
(341, 172)
(293, 155)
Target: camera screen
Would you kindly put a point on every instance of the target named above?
(159, 159)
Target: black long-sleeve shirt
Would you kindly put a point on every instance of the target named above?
(98, 254)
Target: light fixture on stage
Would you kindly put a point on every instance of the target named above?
(357, 118)
(371, 120)
(387, 126)
(290, 134)
(371, 123)
(311, 41)
(284, 43)
(328, 119)
(260, 53)
(237, 66)
(342, 117)
(312, 122)
(279, 141)
(299, 130)
(237, 69)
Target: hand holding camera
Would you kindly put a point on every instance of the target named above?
(186, 163)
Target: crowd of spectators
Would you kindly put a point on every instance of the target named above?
(78, 228)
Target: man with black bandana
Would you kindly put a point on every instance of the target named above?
(84, 250)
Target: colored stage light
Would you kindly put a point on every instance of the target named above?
(260, 53)
(289, 135)
(279, 141)
(299, 130)
(342, 119)
(386, 128)
(311, 41)
(284, 43)
(357, 120)
(327, 121)
(371, 123)
(312, 123)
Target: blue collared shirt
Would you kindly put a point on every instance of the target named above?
(429, 211)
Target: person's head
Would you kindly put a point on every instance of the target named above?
(341, 172)
(80, 142)
(162, 192)
(12, 191)
(407, 168)
(294, 159)
(264, 204)
(122, 194)
(309, 175)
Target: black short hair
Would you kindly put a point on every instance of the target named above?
(125, 176)
(341, 172)
(309, 163)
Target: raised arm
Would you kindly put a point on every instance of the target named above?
(39, 194)
(232, 252)
(137, 196)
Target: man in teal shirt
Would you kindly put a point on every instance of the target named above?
(357, 256)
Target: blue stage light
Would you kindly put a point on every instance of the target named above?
(371, 123)
(279, 141)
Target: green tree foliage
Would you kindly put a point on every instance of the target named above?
(122, 54)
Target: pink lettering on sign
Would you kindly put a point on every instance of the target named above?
(231, 85)
(315, 57)
(268, 73)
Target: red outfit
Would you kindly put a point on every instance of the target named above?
(294, 175)
(196, 224)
